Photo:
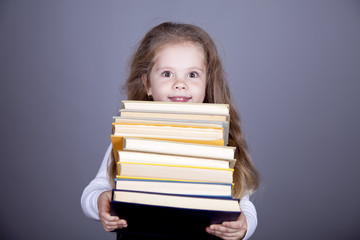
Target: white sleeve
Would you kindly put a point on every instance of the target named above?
(248, 208)
(98, 185)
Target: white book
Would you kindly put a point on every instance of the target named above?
(209, 108)
(178, 148)
(146, 157)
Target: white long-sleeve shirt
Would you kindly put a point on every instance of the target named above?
(101, 184)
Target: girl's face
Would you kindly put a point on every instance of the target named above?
(179, 74)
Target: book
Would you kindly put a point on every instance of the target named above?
(177, 148)
(148, 130)
(173, 115)
(174, 172)
(174, 187)
(181, 123)
(165, 216)
(178, 201)
(173, 148)
(120, 143)
(158, 158)
(206, 108)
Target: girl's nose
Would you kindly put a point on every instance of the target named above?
(180, 84)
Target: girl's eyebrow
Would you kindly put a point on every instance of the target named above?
(162, 68)
(171, 68)
(198, 69)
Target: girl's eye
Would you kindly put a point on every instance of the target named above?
(167, 74)
(193, 75)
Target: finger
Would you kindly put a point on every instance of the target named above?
(109, 229)
(120, 222)
(110, 226)
(234, 225)
(228, 236)
(110, 223)
(106, 216)
(221, 228)
(225, 234)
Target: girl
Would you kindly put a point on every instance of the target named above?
(179, 62)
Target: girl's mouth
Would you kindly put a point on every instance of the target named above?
(179, 99)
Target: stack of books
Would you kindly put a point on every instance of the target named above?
(174, 170)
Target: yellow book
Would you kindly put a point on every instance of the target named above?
(224, 125)
(168, 131)
(175, 172)
(173, 122)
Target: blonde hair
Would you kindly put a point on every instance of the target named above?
(246, 177)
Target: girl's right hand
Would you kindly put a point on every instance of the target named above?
(109, 222)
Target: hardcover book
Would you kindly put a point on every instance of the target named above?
(173, 115)
(175, 172)
(206, 108)
(171, 216)
(205, 189)
(194, 148)
(171, 159)
(158, 130)
(212, 125)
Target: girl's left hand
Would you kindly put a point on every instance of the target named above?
(234, 230)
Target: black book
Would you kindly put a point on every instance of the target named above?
(156, 221)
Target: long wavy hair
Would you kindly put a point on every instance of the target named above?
(246, 178)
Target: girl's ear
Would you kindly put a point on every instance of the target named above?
(146, 84)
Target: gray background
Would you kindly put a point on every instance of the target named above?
(293, 68)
